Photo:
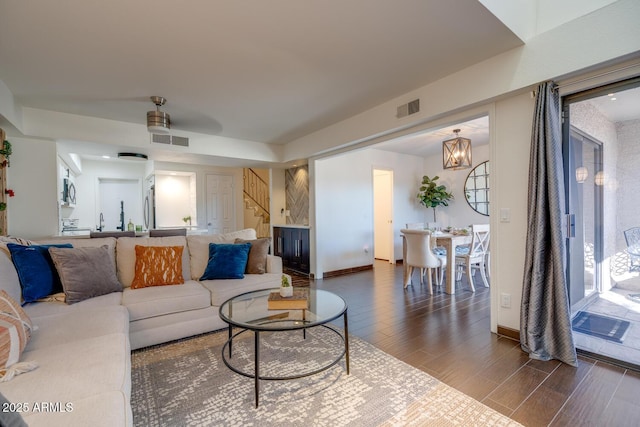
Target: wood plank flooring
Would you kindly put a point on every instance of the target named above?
(448, 337)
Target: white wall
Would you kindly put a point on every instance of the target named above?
(87, 209)
(278, 197)
(587, 42)
(33, 212)
(201, 172)
(510, 146)
(458, 214)
(344, 205)
(173, 200)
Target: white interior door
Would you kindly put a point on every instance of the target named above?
(383, 214)
(220, 204)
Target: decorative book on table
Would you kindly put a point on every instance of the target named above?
(299, 301)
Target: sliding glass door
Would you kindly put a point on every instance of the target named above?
(583, 177)
(601, 155)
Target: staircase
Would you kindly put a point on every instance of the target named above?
(256, 202)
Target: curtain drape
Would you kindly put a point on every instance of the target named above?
(545, 318)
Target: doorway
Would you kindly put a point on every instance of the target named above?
(383, 215)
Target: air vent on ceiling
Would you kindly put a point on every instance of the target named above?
(170, 140)
(408, 108)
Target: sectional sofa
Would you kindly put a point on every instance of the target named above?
(83, 350)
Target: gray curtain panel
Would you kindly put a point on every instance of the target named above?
(545, 318)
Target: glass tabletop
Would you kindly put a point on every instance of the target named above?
(250, 311)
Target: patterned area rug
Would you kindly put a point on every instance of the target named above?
(186, 383)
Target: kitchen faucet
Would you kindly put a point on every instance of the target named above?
(101, 226)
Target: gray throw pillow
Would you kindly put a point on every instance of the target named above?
(85, 272)
(257, 262)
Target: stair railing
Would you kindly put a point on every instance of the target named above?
(257, 191)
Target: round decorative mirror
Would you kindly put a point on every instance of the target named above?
(476, 188)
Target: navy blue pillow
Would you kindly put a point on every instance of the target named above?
(226, 261)
(36, 271)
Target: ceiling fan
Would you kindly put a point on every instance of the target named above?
(158, 122)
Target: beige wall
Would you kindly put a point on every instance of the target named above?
(510, 145)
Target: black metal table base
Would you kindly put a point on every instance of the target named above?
(228, 347)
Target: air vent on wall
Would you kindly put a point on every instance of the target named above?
(170, 140)
(408, 108)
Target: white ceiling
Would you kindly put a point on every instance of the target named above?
(266, 71)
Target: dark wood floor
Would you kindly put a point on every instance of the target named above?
(449, 338)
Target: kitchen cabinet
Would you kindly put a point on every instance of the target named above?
(292, 245)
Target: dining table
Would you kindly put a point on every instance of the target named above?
(450, 242)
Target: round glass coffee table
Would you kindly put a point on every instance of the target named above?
(250, 312)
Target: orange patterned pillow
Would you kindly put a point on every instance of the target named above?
(158, 266)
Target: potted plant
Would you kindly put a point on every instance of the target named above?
(286, 290)
(432, 195)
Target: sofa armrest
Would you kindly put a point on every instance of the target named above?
(274, 264)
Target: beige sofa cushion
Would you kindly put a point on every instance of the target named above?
(160, 300)
(199, 247)
(126, 255)
(76, 325)
(102, 364)
(38, 309)
(223, 289)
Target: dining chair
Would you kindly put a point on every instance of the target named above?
(415, 225)
(420, 255)
(475, 256)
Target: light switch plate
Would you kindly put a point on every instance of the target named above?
(505, 215)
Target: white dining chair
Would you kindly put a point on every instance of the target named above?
(475, 256)
(420, 255)
(415, 225)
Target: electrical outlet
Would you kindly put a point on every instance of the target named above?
(505, 300)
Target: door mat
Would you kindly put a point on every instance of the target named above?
(599, 326)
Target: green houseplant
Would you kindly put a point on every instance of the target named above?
(286, 290)
(432, 195)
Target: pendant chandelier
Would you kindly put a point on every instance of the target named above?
(456, 152)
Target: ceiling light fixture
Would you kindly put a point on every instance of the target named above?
(456, 152)
(158, 121)
(133, 156)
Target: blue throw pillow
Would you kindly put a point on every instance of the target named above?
(36, 271)
(226, 261)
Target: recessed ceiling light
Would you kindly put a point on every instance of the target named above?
(614, 98)
(106, 157)
(611, 94)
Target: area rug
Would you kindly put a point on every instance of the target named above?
(600, 326)
(186, 383)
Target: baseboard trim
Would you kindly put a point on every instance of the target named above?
(510, 333)
(335, 273)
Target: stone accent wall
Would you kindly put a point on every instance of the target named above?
(297, 195)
